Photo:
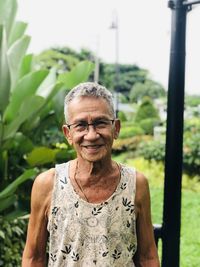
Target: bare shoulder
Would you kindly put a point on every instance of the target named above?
(45, 180)
(42, 190)
(142, 187)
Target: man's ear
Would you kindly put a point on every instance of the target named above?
(117, 128)
(67, 133)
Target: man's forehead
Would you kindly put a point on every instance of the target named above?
(88, 101)
(88, 106)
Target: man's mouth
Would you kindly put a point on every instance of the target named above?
(92, 146)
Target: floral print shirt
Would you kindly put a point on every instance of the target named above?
(83, 234)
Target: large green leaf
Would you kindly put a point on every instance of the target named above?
(7, 202)
(11, 188)
(26, 87)
(48, 83)
(20, 143)
(15, 55)
(44, 109)
(16, 214)
(80, 73)
(28, 108)
(41, 155)
(8, 10)
(58, 105)
(4, 71)
(26, 66)
(17, 32)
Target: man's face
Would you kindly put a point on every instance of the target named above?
(91, 144)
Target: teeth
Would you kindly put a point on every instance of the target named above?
(94, 146)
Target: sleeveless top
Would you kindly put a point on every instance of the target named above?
(83, 234)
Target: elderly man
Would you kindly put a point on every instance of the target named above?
(95, 211)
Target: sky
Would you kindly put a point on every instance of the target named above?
(144, 28)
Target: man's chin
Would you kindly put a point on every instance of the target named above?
(92, 157)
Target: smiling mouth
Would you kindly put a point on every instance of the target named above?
(93, 146)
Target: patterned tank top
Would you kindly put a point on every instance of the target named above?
(83, 234)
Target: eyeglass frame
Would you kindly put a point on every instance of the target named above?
(88, 124)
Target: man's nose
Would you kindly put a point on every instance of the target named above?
(91, 132)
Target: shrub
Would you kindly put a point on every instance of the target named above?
(130, 131)
(128, 144)
(122, 116)
(155, 150)
(146, 110)
(152, 150)
(148, 125)
(191, 158)
(12, 240)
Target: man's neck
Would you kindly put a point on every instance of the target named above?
(94, 172)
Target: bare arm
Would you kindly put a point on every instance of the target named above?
(146, 255)
(34, 254)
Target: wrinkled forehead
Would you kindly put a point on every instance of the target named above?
(85, 105)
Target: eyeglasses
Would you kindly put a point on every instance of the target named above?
(83, 126)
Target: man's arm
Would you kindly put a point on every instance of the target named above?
(34, 254)
(146, 255)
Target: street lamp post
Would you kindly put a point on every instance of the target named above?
(115, 26)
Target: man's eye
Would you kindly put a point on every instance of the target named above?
(80, 125)
(100, 123)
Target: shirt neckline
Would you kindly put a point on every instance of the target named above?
(77, 196)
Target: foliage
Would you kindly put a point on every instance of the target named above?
(127, 144)
(62, 58)
(27, 108)
(148, 88)
(122, 116)
(148, 125)
(54, 59)
(152, 150)
(130, 131)
(155, 150)
(146, 110)
(191, 127)
(128, 75)
(192, 100)
(191, 158)
(12, 239)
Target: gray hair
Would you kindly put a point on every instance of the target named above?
(91, 89)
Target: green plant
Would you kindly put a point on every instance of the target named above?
(26, 102)
(126, 144)
(12, 237)
(191, 158)
(148, 125)
(148, 88)
(152, 150)
(146, 110)
(130, 131)
(155, 150)
(122, 116)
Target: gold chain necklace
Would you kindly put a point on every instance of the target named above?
(79, 183)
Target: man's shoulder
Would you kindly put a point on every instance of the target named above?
(44, 181)
(142, 187)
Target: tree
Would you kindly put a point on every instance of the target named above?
(148, 88)
(146, 110)
(128, 76)
(62, 58)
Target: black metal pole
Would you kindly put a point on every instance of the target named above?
(174, 138)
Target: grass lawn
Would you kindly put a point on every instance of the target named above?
(190, 224)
